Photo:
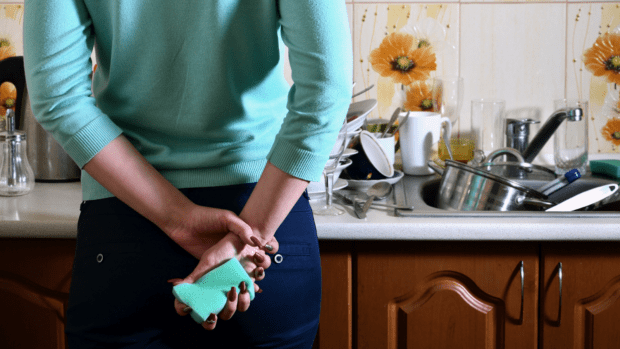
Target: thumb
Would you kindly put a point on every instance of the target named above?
(237, 226)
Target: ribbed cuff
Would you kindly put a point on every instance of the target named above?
(297, 162)
(88, 141)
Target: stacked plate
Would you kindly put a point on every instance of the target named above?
(356, 115)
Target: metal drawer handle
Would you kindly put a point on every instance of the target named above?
(560, 306)
(522, 284)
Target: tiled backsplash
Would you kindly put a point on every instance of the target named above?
(525, 52)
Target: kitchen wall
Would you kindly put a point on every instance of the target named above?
(525, 52)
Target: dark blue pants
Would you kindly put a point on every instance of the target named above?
(120, 296)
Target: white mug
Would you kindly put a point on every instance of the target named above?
(417, 137)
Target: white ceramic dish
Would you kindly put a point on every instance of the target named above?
(358, 111)
(363, 185)
(376, 154)
(349, 152)
(317, 189)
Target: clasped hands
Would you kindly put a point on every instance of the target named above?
(214, 236)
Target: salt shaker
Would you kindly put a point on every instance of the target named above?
(16, 175)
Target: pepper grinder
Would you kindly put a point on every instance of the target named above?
(16, 175)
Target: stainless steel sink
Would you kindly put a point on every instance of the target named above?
(421, 192)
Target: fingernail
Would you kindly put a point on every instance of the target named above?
(260, 272)
(187, 309)
(232, 295)
(269, 248)
(258, 258)
(211, 319)
(256, 241)
(260, 290)
(243, 287)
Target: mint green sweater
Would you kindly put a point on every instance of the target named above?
(196, 86)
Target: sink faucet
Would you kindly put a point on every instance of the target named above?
(546, 131)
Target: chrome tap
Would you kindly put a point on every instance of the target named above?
(547, 130)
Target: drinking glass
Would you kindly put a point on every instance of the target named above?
(487, 123)
(328, 172)
(570, 145)
(448, 96)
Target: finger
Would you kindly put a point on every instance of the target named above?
(257, 289)
(259, 274)
(175, 282)
(270, 246)
(210, 323)
(231, 305)
(243, 302)
(181, 309)
(261, 260)
(275, 246)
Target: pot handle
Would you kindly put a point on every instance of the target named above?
(503, 151)
(536, 202)
(435, 167)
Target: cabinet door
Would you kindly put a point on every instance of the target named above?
(446, 295)
(34, 284)
(335, 324)
(585, 311)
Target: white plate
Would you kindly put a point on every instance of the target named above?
(363, 185)
(362, 109)
(319, 188)
(349, 152)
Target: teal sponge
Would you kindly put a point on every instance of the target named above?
(208, 294)
(609, 168)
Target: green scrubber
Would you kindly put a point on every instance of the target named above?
(609, 168)
(208, 294)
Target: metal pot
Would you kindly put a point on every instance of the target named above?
(47, 158)
(519, 170)
(465, 188)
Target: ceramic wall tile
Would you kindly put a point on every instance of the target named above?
(586, 21)
(11, 33)
(515, 52)
(374, 21)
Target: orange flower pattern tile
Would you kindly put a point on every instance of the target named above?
(419, 97)
(603, 58)
(611, 131)
(399, 58)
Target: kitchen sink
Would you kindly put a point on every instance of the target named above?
(421, 192)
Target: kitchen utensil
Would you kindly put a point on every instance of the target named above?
(379, 191)
(487, 116)
(48, 159)
(391, 122)
(405, 118)
(465, 188)
(560, 182)
(516, 170)
(417, 137)
(371, 161)
(586, 198)
(354, 201)
(16, 176)
(362, 91)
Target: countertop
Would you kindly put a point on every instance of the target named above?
(52, 209)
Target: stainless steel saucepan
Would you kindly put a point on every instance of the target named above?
(466, 188)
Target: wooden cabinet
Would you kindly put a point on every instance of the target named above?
(389, 294)
(447, 295)
(579, 301)
(469, 295)
(34, 287)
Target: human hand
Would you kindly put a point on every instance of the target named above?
(199, 228)
(253, 260)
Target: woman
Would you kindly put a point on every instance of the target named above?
(194, 150)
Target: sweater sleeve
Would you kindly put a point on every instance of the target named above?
(58, 42)
(318, 37)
